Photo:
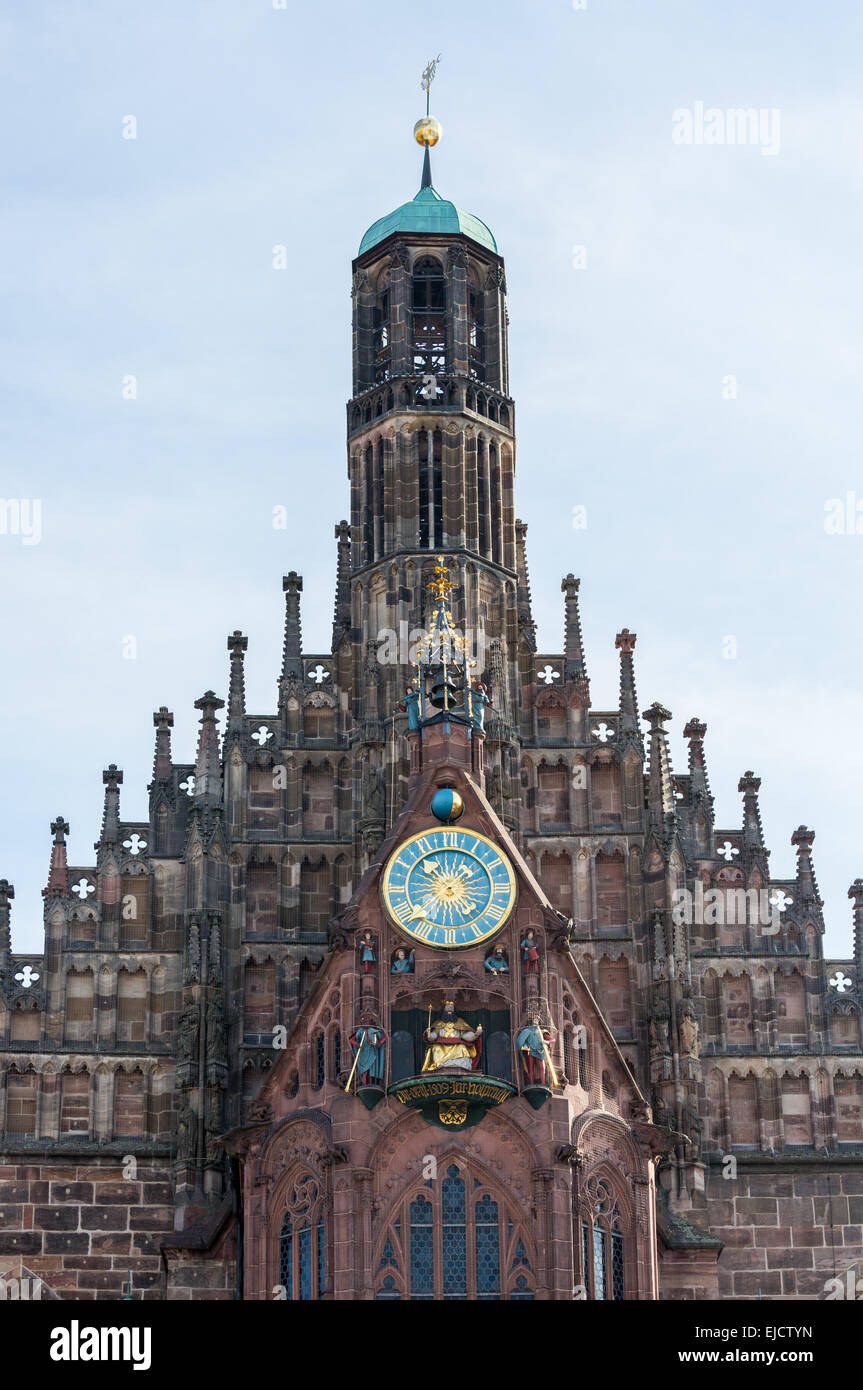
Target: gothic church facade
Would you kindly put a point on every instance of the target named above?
(185, 1109)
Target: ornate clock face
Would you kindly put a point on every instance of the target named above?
(449, 888)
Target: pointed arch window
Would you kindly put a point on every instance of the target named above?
(428, 302)
(320, 1061)
(482, 496)
(424, 472)
(302, 1243)
(369, 504)
(437, 487)
(421, 1248)
(602, 1245)
(476, 316)
(582, 1059)
(381, 335)
(455, 1241)
(496, 519)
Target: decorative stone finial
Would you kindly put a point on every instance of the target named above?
(657, 714)
(58, 874)
(163, 720)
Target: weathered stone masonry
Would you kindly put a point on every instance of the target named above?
(136, 1048)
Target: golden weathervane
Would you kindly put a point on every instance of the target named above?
(427, 130)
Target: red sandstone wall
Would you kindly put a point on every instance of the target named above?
(786, 1232)
(83, 1229)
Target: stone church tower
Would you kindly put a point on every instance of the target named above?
(436, 981)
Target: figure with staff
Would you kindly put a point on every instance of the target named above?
(370, 1049)
(532, 1043)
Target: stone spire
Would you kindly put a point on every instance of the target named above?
(7, 893)
(163, 720)
(699, 783)
(855, 893)
(237, 646)
(58, 874)
(292, 665)
(342, 612)
(207, 769)
(660, 784)
(525, 613)
(574, 667)
(753, 835)
(625, 644)
(807, 888)
(113, 780)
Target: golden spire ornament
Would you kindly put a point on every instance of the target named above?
(441, 585)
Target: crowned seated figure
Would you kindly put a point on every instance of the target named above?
(453, 1045)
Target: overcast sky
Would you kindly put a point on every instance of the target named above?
(691, 377)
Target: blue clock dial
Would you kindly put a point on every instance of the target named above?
(449, 888)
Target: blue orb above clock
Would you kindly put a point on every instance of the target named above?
(447, 806)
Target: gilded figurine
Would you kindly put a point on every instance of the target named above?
(452, 1043)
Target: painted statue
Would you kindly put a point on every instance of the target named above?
(403, 962)
(497, 963)
(532, 1045)
(452, 1043)
(370, 1050)
(411, 706)
(366, 948)
(530, 952)
(479, 699)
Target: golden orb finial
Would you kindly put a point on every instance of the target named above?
(427, 131)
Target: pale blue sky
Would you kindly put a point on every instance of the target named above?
(256, 127)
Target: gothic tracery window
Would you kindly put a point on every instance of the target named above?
(602, 1244)
(302, 1242)
(454, 1240)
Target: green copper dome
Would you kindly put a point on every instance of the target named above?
(429, 213)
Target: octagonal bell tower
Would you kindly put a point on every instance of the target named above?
(431, 452)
